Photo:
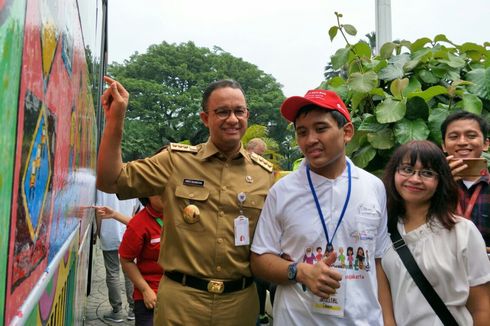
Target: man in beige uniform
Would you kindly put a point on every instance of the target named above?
(212, 194)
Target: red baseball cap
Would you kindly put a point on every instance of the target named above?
(326, 99)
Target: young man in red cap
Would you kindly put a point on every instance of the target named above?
(329, 203)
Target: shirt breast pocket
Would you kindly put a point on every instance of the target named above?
(252, 206)
(190, 202)
(368, 225)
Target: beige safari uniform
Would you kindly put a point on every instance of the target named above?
(203, 247)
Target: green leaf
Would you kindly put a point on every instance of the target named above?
(383, 139)
(356, 99)
(387, 50)
(377, 92)
(407, 130)
(413, 86)
(417, 108)
(481, 82)
(429, 93)
(362, 157)
(441, 38)
(420, 43)
(370, 124)
(356, 142)
(390, 110)
(397, 86)
(362, 49)
(427, 77)
(336, 81)
(454, 61)
(472, 103)
(332, 32)
(382, 64)
(363, 83)
(391, 72)
(436, 117)
(468, 46)
(349, 29)
(339, 86)
(411, 65)
(339, 59)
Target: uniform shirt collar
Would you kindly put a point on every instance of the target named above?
(209, 150)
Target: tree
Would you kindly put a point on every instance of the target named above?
(165, 86)
(406, 91)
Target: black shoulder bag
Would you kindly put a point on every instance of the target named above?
(427, 290)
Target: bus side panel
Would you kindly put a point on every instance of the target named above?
(53, 180)
(11, 39)
(56, 305)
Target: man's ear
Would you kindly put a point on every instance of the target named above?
(348, 132)
(443, 147)
(204, 118)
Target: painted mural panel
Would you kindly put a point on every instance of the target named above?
(56, 305)
(52, 140)
(11, 36)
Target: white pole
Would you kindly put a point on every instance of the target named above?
(383, 23)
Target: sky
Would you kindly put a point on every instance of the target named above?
(287, 39)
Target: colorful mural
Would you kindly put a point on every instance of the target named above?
(11, 38)
(56, 304)
(50, 52)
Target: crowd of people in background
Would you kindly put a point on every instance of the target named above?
(332, 243)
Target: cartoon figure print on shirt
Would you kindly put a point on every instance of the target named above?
(352, 250)
(309, 257)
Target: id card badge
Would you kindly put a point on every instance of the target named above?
(242, 236)
(334, 305)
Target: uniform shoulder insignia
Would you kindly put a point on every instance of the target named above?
(262, 162)
(183, 148)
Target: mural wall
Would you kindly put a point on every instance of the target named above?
(11, 38)
(50, 52)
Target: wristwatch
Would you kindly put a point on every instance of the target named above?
(292, 271)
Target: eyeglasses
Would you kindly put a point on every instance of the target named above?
(225, 113)
(408, 171)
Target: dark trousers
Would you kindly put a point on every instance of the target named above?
(143, 316)
(262, 287)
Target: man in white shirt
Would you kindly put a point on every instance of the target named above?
(110, 233)
(327, 206)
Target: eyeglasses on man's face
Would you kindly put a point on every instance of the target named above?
(223, 114)
(408, 171)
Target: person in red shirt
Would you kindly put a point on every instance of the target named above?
(139, 252)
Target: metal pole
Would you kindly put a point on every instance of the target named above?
(383, 23)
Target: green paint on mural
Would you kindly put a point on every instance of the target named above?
(11, 40)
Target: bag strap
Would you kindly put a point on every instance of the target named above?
(419, 278)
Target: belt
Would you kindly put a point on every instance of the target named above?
(211, 286)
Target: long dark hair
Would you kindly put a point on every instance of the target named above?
(443, 202)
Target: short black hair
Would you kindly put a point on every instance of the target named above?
(465, 115)
(144, 201)
(339, 118)
(214, 86)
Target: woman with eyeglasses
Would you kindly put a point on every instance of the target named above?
(449, 250)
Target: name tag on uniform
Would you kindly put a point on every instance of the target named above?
(242, 235)
(334, 305)
(155, 240)
(193, 182)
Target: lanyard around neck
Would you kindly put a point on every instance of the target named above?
(471, 203)
(319, 209)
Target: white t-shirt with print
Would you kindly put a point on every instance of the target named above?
(290, 224)
(112, 231)
(452, 261)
